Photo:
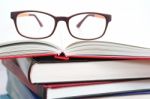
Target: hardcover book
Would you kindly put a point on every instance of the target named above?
(71, 90)
(40, 71)
(78, 50)
(18, 90)
(17, 82)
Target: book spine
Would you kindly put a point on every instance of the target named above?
(25, 65)
(109, 57)
(12, 66)
(17, 90)
(62, 56)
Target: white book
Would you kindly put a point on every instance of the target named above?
(81, 49)
(138, 96)
(84, 71)
(99, 90)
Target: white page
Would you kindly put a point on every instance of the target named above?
(98, 89)
(83, 71)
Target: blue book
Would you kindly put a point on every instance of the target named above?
(5, 97)
(18, 90)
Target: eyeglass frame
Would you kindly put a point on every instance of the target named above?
(14, 15)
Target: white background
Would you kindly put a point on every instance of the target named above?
(130, 21)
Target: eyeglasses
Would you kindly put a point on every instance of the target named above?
(38, 25)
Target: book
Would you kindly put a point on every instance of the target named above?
(77, 90)
(45, 72)
(52, 95)
(18, 77)
(134, 96)
(3, 79)
(12, 66)
(17, 90)
(129, 95)
(77, 50)
(100, 90)
(5, 96)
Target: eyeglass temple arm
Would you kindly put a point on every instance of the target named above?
(93, 15)
(79, 24)
(26, 14)
(40, 23)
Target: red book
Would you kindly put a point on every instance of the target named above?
(82, 50)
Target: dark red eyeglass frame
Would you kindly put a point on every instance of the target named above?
(60, 18)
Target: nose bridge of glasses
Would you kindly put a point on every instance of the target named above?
(62, 19)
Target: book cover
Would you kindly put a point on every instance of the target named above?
(5, 97)
(37, 71)
(17, 90)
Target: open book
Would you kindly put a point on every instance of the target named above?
(81, 50)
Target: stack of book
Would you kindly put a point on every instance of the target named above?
(86, 69)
